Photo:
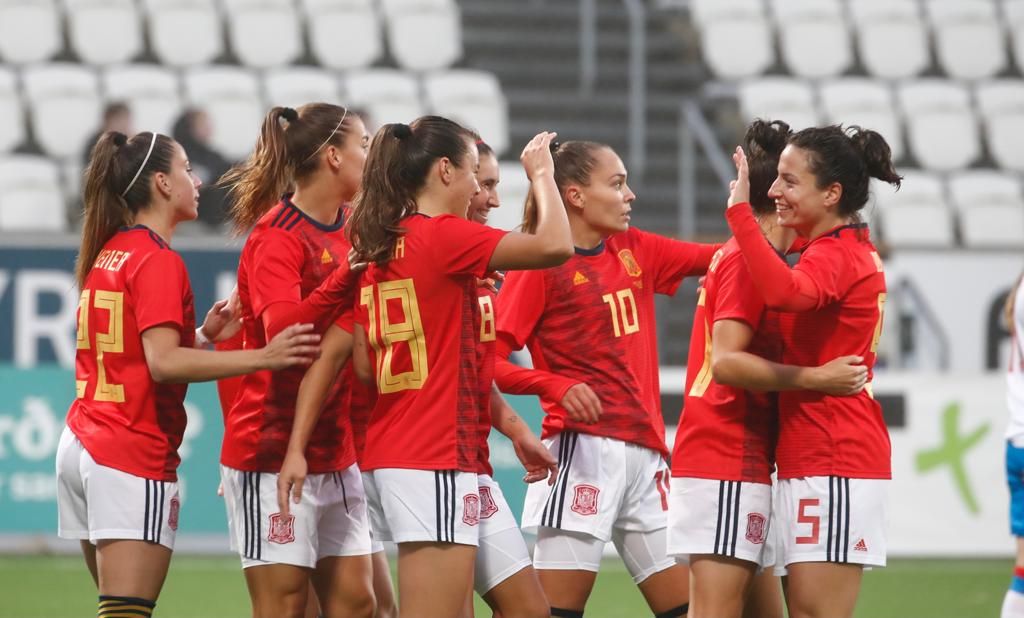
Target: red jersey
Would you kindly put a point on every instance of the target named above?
(286, 257)
(485, 353)
(124, 419)
(591, 320)
(227, 388)
(418, 310)
(728, 433)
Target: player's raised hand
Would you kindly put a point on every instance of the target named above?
(536, 157)
(739, 189)
(582, 404)
(295, 345)
(224, 319)
(290, 481)
(540, 464)
(845, 375)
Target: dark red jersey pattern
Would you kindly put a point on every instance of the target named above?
(124, 419)
(486, 338)
(286, 257)
(727, 433)
(591, 320)
(419, 312)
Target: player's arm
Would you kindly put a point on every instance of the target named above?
(673, 260)
(313, 390)
(333, 296)
(579, 400)
(361, 355)
(540, 464)
(732, 365)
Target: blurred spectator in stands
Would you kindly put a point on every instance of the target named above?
(117, 116)
(193, 130)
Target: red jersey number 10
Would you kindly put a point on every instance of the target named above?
(396, 329)
(110, 341)
(625, 320)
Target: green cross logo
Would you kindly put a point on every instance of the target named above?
(952, 451)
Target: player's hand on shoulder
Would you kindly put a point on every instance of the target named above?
(582, 404)
(295, 345)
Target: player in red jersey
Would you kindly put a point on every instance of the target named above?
(589, 325)
(117, 461)
(720, 505)
(417, 309)
(833, 453)
(296, 256)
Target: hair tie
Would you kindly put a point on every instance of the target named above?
(329, 136)
(119, 139)
(289, 114)
(152, 143)
(555, 146)
(402, 130)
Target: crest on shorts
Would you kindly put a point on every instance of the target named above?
(632, 266)
(172, 513)
(471, 509)
(487, 505)
(756, 528)
(584, 501)
(282, 529)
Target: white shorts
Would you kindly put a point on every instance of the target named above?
(376, 545)
(831, 519)
(330, 519)
(95, 502)
(431, 506)
(603, 484)
(502, 552)
(723, 518)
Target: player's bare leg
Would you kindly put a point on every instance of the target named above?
(312, 603)
(344, 585)
(764, 598)
(667, 590)
(719, 585)
(519, 596)
(89, 553)
(467, 607)
(278, 590)
(822, 589)
(434, 579)
(383, 589)
(131, 568)
(567, 589)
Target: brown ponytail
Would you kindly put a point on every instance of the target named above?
(574, 163)
(116, 187)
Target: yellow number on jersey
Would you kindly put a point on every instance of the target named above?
(878, 325)
(384, 334)
(623, 312)
(703, 379)
(487, 332)
(109, 342)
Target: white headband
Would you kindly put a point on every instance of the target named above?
(152, 143)
(329, 136)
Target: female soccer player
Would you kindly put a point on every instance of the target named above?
(721, 500)
(589, 325)
(833, 452)
(417, 307)
(117, 461)
(293, 268)
(1013, 603)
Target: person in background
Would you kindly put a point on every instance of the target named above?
(193, 130)
(117, 116)
(1013, 602)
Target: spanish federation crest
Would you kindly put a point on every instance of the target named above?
(471, 509)
(172, 515)
(282, 529)
(630, 263)
(584, 501)
(487, 505)
(756, 529)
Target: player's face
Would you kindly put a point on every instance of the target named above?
(608, 200)
(487, 178)
(462, 184)
(184, 186)
(353, 157)
(799, 202)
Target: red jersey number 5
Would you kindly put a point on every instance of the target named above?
(814, 520)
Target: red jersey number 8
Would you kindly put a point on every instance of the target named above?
(396, 298)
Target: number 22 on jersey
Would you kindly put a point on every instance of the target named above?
(110, 341)
(396, 333)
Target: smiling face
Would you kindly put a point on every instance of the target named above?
(605, 203)
(799, 202)
(487, 198)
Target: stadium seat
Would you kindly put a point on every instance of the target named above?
(184, 33)
(104, 31)
(12, 120)
(29, 31)
(361, 41)
(472, 98)
(152, 92)
(423, 35)
(736, 38)
(865, 102)
(264, 33)
(991, 206)
(917, 216)
(65, 106)
(1014, 14)
(295, 86)
(30, 196)
(513, 187)
(386, 94)
(231, 96)
(961, 25)
(779, 98)
(813, 37)
(942, 130)
(1001, 104)
(892, 40)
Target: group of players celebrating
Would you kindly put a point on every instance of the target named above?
(373, 345)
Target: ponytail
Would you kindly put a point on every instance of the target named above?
(764, 142)
(876, 154)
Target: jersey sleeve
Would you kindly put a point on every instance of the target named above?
(736, 298)
(276, 270)
(463, 247)
(826, 262)
(673, 260)
(157, 288)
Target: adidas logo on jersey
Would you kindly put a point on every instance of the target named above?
(325, 257)
(579, 278)
(860, 546)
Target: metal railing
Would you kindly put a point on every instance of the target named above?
(695, 131)
(912, 313)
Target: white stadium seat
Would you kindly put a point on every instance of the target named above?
(423, 35)
(295, 86)
(29, 31)
(916, 216)
(813, 37)
(153, 94)
(513, 187)
(184, 33)
(344, 34)
(892, 40)
(991, 206)
(471, 98)
(962, 25)
(104, 31)
(864, 102)
(264, 33)
(12, 119)
(1001, 105)
(30, 196)
(386, 94)
(779, 98)
(736, 38)
(942, 130)
(65, 104)
(231, 96)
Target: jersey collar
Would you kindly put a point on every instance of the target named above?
(334, 227)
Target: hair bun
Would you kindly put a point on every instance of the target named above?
(554, 146)
(402, 130)
(289, 114)
(119, 139)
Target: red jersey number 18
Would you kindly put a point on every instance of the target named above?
(384, 301)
